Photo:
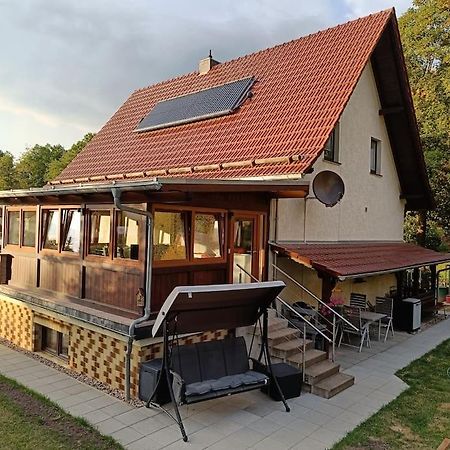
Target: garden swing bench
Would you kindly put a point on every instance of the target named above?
(206, 370)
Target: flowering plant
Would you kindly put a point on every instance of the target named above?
(333, 303)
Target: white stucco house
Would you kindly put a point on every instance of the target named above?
(224, 160)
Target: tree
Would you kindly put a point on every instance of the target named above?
(425, 31)
(31, 170)
(7, 171)
(58, 165)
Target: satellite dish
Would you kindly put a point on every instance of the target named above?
(328, 187)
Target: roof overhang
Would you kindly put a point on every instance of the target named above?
(397, 109)
(141, 190)
(360, 259)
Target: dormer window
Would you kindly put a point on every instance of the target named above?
(331, 150)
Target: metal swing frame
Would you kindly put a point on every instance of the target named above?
(170, 335)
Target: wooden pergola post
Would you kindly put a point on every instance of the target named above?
(328, 284)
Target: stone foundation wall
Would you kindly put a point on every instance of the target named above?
(93, 351)
(16, 323)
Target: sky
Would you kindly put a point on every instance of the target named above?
(66, 66)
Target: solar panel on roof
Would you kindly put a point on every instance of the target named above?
(206, 104)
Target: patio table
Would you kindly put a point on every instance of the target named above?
(370, 317)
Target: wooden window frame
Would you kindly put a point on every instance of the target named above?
(29, 248)
(59, 251)
(8, 211)
(141, 241)
(49, 251)
(63, 252)
(21, 210)
(222, 238)
(189, 225)
(87, 241)
(260, 237)
(111, 259)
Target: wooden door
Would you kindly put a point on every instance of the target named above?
(244, 248)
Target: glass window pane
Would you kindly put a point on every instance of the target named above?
(50, 228)
(1, 224)
(64, 350)
(243, 250)
(71, 223)
(207, 236)
(99, 236)
(13, 227)
(50, 340)
(127, 236)
(29, 229)
(169, 236)
(330, 147)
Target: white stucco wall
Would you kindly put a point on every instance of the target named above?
(371, 208)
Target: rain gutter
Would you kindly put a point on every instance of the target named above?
(116, 193)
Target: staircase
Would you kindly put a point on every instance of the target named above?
(322, 376)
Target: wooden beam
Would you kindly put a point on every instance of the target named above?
(391, 110)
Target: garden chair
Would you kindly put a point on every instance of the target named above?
(385, 305)
(358, 300)
(353, 315)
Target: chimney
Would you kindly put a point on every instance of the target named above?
(205, 65)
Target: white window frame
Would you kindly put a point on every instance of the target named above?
(334, 141)
(375, 156)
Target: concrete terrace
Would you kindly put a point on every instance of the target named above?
(249, 420)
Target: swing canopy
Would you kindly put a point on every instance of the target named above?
(213, 307)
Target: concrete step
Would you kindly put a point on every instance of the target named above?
(288, 348)
(274, 324)
(282, 335)
(331, 386)
(312, 356)
(319, 371)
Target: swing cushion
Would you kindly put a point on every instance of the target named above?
(213, 369)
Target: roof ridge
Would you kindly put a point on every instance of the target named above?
(306, 36)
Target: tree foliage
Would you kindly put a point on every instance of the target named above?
(7, 171)
(58, 165)
(31, 170)
(425, 31)
(37, 165)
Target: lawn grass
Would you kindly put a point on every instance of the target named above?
(419, 418)
(30, 421)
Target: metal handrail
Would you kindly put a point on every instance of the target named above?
(288, 306)
(314, 296)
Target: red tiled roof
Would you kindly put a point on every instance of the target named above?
(301, 90)
(362, 258)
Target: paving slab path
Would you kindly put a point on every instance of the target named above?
(249, 420)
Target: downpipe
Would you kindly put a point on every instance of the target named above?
(116, 193)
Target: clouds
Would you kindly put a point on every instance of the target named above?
(67, 65)
(359, 8)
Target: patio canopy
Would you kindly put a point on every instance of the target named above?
(355, 260)
(215, 307)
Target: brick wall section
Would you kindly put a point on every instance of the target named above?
(103, 357)
(16, 324)
(98, 356)
(94, 353)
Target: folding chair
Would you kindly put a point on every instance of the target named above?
(353, 315)
(385, 305)
(358, 300)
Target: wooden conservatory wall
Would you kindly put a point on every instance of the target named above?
(110, 280)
